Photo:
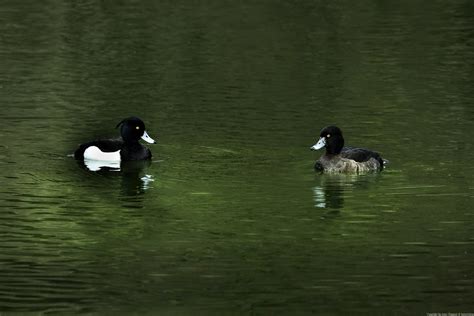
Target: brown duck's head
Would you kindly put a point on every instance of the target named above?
(331, 138)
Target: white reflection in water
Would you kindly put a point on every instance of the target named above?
(131, 172)
(97, 165)
(147, 181)
(319, 198)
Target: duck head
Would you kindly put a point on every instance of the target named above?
(132, 129)
(331, 138)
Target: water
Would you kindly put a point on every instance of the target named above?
(229, 216)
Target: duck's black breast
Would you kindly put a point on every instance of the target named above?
(134, 151)
(360, 154)
(105, 145)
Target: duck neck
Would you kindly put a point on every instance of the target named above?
(131, 144)
(330, 155)
(334, 146)
(333, 151)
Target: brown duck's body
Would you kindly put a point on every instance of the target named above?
(339, 164)
(339, 159)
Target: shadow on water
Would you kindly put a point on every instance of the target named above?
(134, 179)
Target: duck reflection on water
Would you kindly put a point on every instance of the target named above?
(332, 189)
(135, 180)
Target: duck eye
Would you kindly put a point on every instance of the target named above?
(138, 127)
(328, 135)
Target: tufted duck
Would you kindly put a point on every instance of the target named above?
(344, 159)
(125, 149)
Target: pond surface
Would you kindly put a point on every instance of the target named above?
(230, 216)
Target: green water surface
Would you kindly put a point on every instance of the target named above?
(230, 216)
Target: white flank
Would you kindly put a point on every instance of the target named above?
(94, 153)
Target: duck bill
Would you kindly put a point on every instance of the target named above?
(147, 138)
(320, 144)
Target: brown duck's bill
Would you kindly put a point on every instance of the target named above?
(320, 144)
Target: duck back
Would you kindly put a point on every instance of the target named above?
(362, 155)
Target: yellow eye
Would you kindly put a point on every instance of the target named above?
(138, 127)
(328, 135)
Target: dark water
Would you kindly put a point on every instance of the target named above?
(229, 216)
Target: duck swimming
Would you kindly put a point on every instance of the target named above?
(127, 148)
(340, 159)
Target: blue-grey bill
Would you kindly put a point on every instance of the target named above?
(320, 144)
(147, 138)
